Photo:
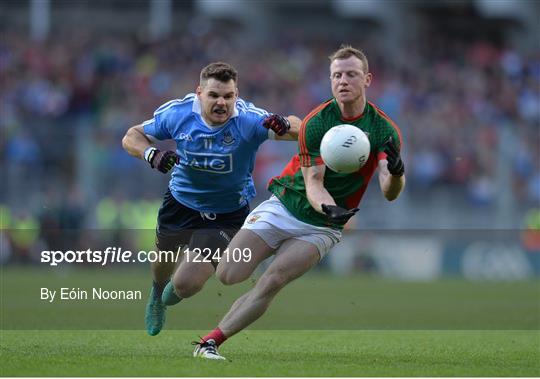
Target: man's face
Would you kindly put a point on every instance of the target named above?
(217, 100)
(349, 80)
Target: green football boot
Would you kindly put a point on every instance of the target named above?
(154, 317)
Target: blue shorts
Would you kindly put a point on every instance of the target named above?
(177, 224)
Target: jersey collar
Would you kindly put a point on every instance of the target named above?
(352, 119)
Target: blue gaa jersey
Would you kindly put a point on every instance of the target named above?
(214, 173)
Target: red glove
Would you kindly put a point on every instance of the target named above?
(279, 124)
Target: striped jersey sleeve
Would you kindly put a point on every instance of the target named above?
(311, 133)
(167, 115)
(309, 143)
(252, 119)
(395, 132)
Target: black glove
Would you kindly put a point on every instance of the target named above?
(395, 164)
(162, 160)
(279, 124)
(337, 214)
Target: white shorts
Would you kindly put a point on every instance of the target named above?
(274, 224)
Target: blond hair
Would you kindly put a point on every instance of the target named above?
(347, 51)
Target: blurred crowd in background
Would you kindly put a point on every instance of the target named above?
(66, 103)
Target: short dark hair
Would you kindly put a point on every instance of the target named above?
(347, 51)
(220, 71)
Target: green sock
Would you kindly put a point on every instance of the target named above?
(169, 297)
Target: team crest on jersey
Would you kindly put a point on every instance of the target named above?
(253, 219)
(228, 139)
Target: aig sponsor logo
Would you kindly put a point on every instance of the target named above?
(216, 163)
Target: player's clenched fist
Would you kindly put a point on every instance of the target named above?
(337, 214)
(279, 124)
(161, 160)
(395, 163)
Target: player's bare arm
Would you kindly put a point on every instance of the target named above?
(292, 134)
(391, 186)
(135, 142)
(139, 145)
(282, 128)
(391, 172)
(315, 191)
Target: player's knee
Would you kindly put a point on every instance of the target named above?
(186, 288)
(228, 276)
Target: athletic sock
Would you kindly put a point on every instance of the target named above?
(158, 288)
(169, 296)
(216, 335)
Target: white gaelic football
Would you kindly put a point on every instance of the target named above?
(345, 148)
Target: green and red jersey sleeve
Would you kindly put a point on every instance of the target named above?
(394, 131)
(311, 133)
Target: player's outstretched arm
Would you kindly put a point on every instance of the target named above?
(282, 128)
(391, 172)
(137, 144)
(316, 193)
(319, 197)
(292, 134)
(391, 186)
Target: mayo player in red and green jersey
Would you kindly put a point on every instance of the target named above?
(345, 189)
(310, 203)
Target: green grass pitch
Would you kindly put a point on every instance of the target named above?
(318, 326)
(273, 353)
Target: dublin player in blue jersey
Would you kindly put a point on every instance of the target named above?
(217, 136)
